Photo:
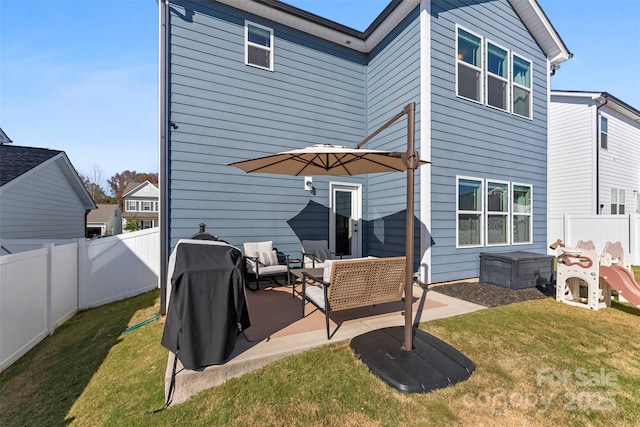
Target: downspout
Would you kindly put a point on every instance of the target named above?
(602, 100)
(163, 18)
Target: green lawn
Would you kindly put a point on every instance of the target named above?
(538, 363)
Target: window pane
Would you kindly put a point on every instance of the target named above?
(604, 140)
(497, 197)
(469, 195)
(497, 61)
(497, 93)
(604, 125)
(468, 229)
(259, 36)
(521, 229)
(258, 56)
(521, 72)
(468, 82)
(614, 209)
(521, 199)
(496, 229)
(469, 48)
(521, 102)
(614, 195)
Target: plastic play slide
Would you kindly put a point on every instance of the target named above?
(621, 280)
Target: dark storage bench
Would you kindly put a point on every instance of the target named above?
(516, 270)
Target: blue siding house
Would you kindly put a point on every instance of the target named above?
(246, 78)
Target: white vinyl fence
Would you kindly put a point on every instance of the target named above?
(598, 228)
(42, 288)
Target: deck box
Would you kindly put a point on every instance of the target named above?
(516, 270)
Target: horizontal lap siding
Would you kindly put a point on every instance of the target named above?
(393, 81)
(619, 164)
(572, 165)
(226, 111)
(42, 205)
(475, 140)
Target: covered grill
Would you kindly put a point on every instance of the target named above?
(207, 309)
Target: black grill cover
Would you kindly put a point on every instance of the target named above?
(207, 308)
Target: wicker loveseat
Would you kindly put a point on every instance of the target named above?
(354, 283)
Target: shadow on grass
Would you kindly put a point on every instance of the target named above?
(625, 307)
(56, 371)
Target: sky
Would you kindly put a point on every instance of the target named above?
(82, 75)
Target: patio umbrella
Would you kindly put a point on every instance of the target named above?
(326, 159)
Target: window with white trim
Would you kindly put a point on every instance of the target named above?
(469, 65)
(131, 206)
(497, 77)
(493, 75)
(492, 212)
(617, 201)
(469, 212)
(497, 213)
(604, 132)
(522, 99)
(522, 213)
(258, 47)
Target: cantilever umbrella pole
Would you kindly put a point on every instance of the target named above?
(411, 161)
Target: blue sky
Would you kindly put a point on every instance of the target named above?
(81, 75)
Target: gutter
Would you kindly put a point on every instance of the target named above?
(602, 100)
(163, 120)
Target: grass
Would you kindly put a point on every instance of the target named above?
(538, 363)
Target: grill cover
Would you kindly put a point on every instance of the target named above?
(207, 309)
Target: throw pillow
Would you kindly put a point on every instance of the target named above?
(268, 258)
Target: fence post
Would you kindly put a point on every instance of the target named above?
(49, 308)
(634, 239)
(82, 273)
(566, 225)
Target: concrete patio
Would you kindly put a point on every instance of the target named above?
(279, 330)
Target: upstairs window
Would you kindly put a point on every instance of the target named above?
(258, 51)
(522, 219)
(469, 66)
(522, 98)
(131, 206)
(604, 136)
(497, 77)
(617, 202)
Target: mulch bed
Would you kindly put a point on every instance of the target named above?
(490, 295)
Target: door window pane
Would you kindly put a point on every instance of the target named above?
(343, 222)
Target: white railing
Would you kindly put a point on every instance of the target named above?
(40, 289)
(600, 229)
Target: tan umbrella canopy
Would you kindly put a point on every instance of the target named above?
(326, 159)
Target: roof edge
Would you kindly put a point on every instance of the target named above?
(603, 98)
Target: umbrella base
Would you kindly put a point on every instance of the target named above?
(431, 365)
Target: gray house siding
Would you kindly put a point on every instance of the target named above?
(471, 139)
(42, 205)
(226, 111)
(393, 81)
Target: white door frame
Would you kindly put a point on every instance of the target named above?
(356, 216)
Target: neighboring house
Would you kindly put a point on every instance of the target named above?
(140, 202)
(242, 79)
(41, 195)
(594, 154)
(104, 221)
